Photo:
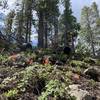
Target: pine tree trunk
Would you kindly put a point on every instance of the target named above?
(46, 37)
(41, 30)
(73, 46)
(91, 37)
(30, 24)
(45, 31)
(66, 43)
(66, 35)
(92, 45)
(27, 31)
(56, 32)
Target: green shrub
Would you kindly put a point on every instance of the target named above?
(56, 90)
(28, 74)
(92, 83)
(89, 60)
(98, 62)
(82, 50)
(76, 63)
(3, 58)
(11, 93)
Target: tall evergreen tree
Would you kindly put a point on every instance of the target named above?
(89, 27)
(8, 24)
(19, 25)
(47, 13)
(28, 18)
(23, 21)
(67, 20)
(68, 24)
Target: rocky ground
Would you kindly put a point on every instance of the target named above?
(37, 76)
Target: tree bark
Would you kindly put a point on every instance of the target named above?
(91, 37)
(92, 45)
(46, 35)
(41, 30)
(56, 32)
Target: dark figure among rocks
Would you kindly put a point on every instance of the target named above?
(67, 50)
(26, 46)
(29, 46)
(93, 73)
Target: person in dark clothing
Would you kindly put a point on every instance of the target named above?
(29, 46)
(64, 55)
(25, 46)
(67, 50)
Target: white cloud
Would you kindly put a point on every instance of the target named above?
(10, 2)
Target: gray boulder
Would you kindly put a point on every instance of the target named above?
(79, 93)
(93, 73)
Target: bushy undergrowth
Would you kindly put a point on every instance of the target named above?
(46, 82)
(75, 63)
(40, 80)
(56, 90)
(3, 58)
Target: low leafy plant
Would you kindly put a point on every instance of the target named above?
(90, 60)
(98, 62)
(56, 90)
(7, 81)
(81, 64)
(27, 75)
(92, 83)
(11, 93)
(3, 58)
